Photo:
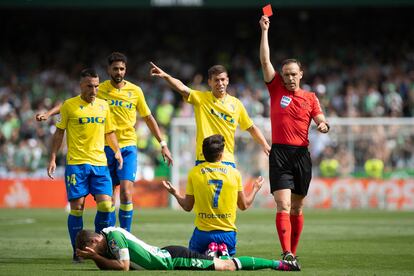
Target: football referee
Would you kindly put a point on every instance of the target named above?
(290, 167)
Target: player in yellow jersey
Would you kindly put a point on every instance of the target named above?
(216, 112)
(87, 122)
(125, 100)
(215, 191)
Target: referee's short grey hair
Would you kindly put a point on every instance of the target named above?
(291, 60)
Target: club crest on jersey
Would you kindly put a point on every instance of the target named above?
(112, 244)
(285, 101)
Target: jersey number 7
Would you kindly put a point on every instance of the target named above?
(218, 183)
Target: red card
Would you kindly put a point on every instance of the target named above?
(267, 10)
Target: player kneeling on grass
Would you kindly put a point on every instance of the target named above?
(215, 191)
(117, 249)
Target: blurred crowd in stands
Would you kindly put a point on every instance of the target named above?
(357, 67)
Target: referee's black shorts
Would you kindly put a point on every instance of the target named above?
(290, 167)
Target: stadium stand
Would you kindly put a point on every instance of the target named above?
(360, 62)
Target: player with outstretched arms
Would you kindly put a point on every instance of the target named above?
(216, 112)
(215, 191)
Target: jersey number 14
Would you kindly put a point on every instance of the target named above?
(71, 179)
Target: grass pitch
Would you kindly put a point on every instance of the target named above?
(35, 241)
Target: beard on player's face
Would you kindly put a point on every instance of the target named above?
(117, 78)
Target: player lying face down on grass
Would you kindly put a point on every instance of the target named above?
(117, 249)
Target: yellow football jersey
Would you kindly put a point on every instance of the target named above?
(218, 116)
(86, 125)
(215, 188)
(124, 104)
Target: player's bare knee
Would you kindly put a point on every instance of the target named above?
(125, 196)
(78, 205)
(297, 205)
(296, 210)
(283, 205)
(126, 191)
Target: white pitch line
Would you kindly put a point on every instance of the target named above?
(18, 221)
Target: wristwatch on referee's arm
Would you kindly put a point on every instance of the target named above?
(327, 125)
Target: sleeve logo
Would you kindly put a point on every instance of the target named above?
(112, 245)
(285, 101)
